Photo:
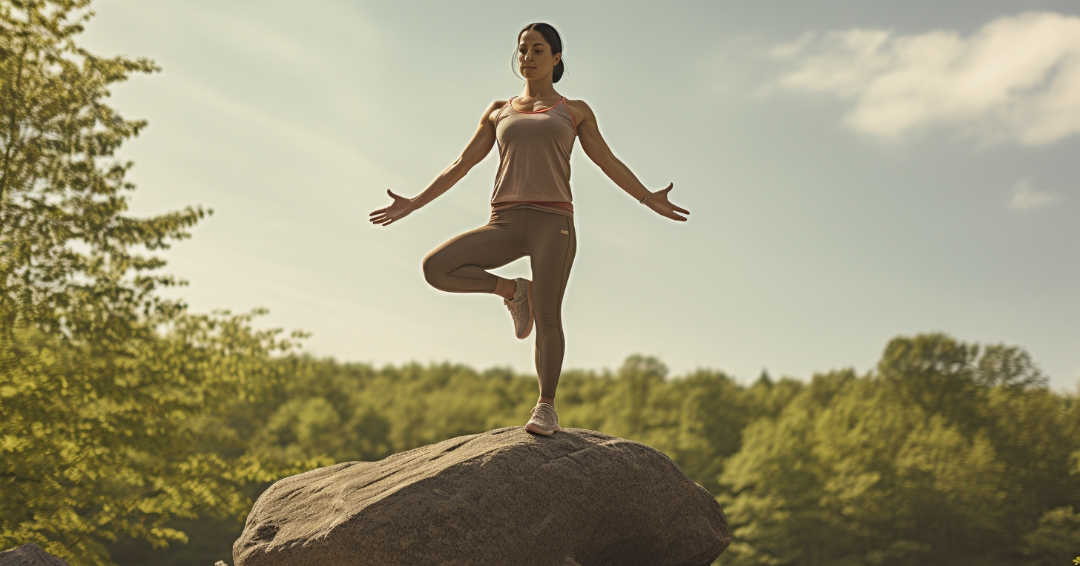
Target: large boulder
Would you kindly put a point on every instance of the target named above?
(29, 554)
(504, 497)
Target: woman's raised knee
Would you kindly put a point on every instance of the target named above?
(435, 270)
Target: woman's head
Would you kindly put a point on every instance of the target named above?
(540, 52)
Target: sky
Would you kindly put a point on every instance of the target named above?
(855, 171)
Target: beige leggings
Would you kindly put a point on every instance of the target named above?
(460, 266)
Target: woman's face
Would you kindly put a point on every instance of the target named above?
(534, 55)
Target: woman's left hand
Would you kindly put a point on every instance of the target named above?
(659, 202)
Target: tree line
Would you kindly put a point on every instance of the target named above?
(134, 431)
(946, 453)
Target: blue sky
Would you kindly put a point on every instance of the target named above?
(854, 170)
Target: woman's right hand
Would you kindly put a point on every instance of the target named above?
(400, 208)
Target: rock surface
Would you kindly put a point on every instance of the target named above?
(29, 554)
(504, 497)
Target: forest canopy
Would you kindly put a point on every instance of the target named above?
(134, 431)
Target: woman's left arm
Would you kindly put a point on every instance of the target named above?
(597, 149)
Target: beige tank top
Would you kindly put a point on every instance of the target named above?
(534, 157)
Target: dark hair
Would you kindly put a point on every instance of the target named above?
(551, 35)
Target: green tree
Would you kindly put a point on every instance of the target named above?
(69, 253)
(941, 457)
(111, 398)
(119, 438)
(1055, 539)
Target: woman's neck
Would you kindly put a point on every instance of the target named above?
(542, 88)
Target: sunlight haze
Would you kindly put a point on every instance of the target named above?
(854, 171)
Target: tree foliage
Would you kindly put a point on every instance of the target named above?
(943, 456)
(104, 443)
(69, 253)
(104, 386)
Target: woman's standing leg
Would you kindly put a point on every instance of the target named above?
(552, 245)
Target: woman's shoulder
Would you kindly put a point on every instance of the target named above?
(491, 113)
(498, 105)
(579, 109)
(575, 103)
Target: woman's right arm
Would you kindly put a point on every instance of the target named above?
(475, 152)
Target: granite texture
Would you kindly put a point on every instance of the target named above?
(29, 554)
(504, 497)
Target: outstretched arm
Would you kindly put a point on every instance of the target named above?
(474, 153)
(597, 149)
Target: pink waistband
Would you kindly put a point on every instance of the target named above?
(556, 204)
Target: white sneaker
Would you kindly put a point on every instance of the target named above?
(544, 420)
(521, 309)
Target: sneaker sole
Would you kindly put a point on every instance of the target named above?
(537, 430)
(528, 297)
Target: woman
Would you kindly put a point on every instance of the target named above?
(532, 213)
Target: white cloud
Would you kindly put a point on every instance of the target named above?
(1026, 197)
(1015, 79)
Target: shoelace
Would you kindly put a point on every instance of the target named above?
(544, 414)
(517, 311)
